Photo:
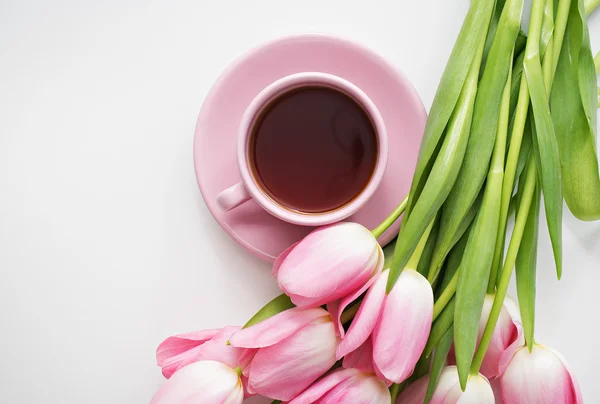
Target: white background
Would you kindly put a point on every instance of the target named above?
(106, 247)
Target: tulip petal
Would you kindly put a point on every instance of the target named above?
(246, 359)
(538, 377)
(577, 397)
(515, 342)
(181, 343)
(283, 370)
(330, 263)
(235, 397)
(281, 257)
(358, 389)
(403, 326)
(321, 387)
(416, 391)
(366, 317)
(513, 309)
(506, 338)
(334, 311)
(478, 391)
(214, 348)
(337, 309)
(496, 389)
(361, 358)
(205, 382)
(276, 328)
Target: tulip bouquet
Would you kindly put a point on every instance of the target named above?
(427, 318)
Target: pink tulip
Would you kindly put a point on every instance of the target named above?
(506, 339)
(540, 376)
(328, 264)
(288, 351)
(181, 350)
(361, 358)
(399, 324)
(346, 386)
(204, 382)
(448, 390)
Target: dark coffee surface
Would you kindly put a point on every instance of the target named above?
(313, 149)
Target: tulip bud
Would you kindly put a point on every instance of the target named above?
(287, 352)
(507, 336)
(328, 264)
(181, 350)
(506, 339)
(448, 390)
(540, 376)
(346, 386)
(399, 324)
(204, 382)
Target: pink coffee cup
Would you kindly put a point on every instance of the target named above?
(249, 188)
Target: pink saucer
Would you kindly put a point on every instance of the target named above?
(215, 138)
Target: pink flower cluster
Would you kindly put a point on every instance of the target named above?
(307, 354)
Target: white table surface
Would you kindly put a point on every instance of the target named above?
(106, 246)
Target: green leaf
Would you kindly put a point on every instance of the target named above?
(491, 33)
(473, 277)
(517, 72)
(421, 369)
(423, 266)
(439, 255)
(440, 179)
(449, 89)
(446, 318)
(526, 145)
(455, 258)
(450, 115)
(573, 105)
(506, 212)
(545, 146)
(388, 252)
(485, 123)
(275, 306)
(474, 273)
(468, 219)
(438, 363)
(547, 26)
(520, 42)
(439, 327)
(526, 267)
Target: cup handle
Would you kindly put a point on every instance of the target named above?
(233, 197)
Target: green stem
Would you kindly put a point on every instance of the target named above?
(532, 49)
(388, 221)
(522, 108)
(395, 389)
(510, 170)
(591, 5)
(497, 166)
(413, 262)
(445, 297)
(560, 26)
(509, 264)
